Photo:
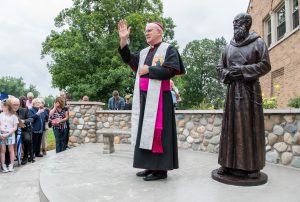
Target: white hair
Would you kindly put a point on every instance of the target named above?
(37, 102)
(42, 100)
(30, 94)
(155, 25)
(62, 93)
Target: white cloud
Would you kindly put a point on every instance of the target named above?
(25, 25)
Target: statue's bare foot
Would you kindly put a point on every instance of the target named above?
(223, 170)
(254, 175)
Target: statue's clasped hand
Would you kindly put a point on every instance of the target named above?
(235, 73)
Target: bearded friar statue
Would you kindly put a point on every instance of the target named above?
(242, 143)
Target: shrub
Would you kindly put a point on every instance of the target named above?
(294, 102)
(270, 103)
(203, 106)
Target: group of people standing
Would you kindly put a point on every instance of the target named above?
(29, 117)
(116, 102)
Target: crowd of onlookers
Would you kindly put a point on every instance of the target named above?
(29, 118)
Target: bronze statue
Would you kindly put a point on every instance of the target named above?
(242, 144)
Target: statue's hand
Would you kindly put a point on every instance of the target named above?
(235, 73)
(235, 69)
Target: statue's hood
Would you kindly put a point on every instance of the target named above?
(252, 37)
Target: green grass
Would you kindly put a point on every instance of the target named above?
(50, 140)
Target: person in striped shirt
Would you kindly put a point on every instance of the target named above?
(58, 118)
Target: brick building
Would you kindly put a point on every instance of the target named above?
(277, 21)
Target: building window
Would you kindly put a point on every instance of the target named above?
(295, 14)
(281, 25)
(269, 32)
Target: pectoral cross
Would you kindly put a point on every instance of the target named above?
(238, 96)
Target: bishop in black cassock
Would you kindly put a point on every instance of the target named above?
(155, 164)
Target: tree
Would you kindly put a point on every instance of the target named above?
(16, 87)
(49, 100)
(32, 89)
(84, 51)
(201, 81)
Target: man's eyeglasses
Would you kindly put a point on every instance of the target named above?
(148, 30)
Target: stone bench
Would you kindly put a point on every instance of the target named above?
(108, 139)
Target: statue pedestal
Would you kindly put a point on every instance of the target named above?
(239, 181)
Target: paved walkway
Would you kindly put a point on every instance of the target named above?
(22, 185)
(85, 174)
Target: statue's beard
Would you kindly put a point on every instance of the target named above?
(240, 33)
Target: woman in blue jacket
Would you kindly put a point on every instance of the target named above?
(39, 115)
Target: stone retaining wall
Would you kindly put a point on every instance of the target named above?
(196, 130)
(200, 131)
(83, 122)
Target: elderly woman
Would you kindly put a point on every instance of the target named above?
(30, 97)
(39, 117)
(58, 117)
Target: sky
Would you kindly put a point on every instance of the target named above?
(24, 25)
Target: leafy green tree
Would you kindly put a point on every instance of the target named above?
(32, 89)
(16, 87)
(84, 50)
(49, 100)
(200, 84)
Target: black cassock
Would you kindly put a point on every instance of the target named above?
(172, 65)
(242, 144)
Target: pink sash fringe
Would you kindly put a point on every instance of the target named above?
(157, 139)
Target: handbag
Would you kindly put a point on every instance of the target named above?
(55, 122)
(49, 124)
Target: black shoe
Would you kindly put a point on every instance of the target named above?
(39, 155)
(24, 161)
(157, 175)
(31, 160)
(144, 173)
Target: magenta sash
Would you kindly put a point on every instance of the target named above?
(157, 139)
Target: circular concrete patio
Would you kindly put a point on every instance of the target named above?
(85, 174)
